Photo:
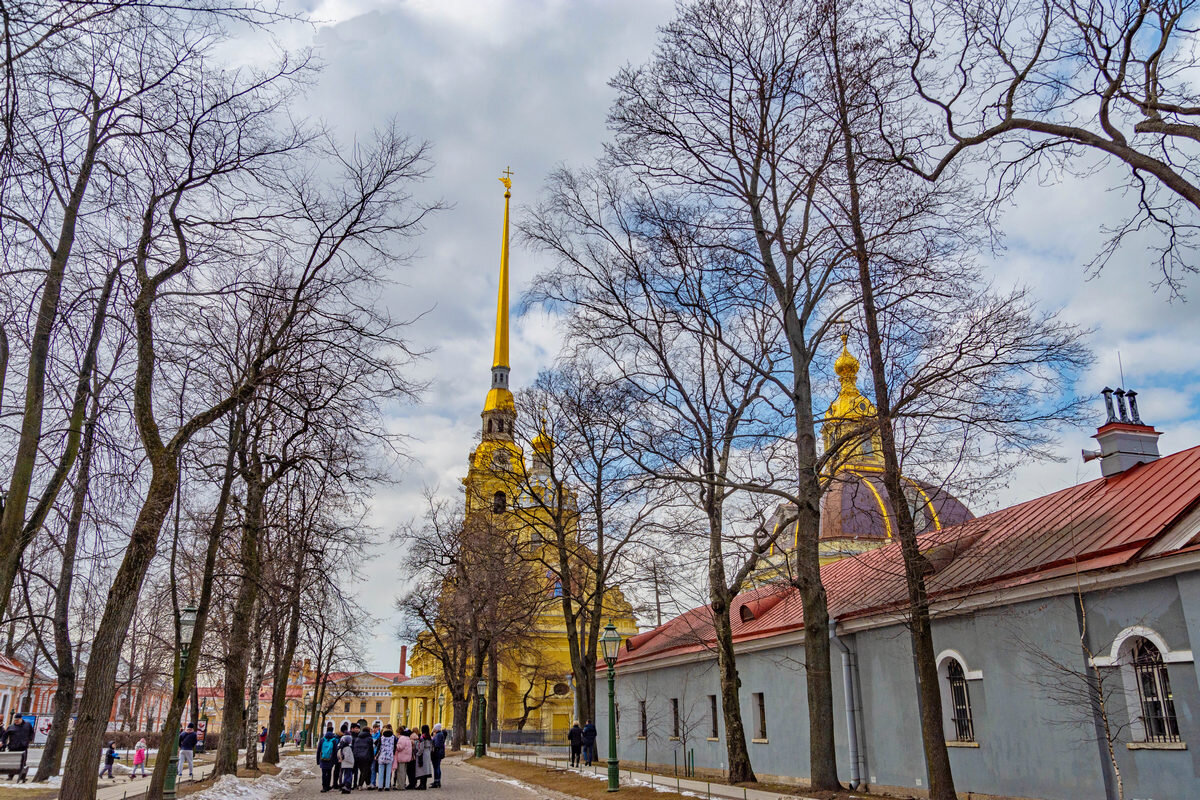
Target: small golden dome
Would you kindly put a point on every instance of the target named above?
(542, 443)
(846, 365)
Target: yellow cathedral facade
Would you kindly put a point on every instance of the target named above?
(498, 475)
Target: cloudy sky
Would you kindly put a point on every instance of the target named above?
(523, 83)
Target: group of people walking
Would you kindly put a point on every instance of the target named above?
(583, 743)
(373, 758)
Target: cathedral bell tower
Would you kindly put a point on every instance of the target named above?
(497, 464)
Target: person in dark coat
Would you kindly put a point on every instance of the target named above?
(589, 743)
(187, 749)
(16, 738)
(575, 737)
(327, 756)
(364, 756)
(437, 754)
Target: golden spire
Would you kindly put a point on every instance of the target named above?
(499, 397)
(500, 355)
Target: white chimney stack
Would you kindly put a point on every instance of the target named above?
(1125, 441)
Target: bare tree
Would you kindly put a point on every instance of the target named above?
(992, 75)
(582, 508)
(723, 115)
(470, 592)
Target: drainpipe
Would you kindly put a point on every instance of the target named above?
(849, 668)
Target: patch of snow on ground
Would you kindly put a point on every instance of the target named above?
(514, 782)
(264, 787)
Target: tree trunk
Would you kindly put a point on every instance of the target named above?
(257, 668)
(80, 776)
(737, 753)
(937, 757)
(64, 691)
(461, 707)
(283, 667)
(170, 734)
(237, 658)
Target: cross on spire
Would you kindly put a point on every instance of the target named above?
(507, 179)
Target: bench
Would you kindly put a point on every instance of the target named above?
(13, 763)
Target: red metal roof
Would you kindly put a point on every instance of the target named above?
(1101, 524)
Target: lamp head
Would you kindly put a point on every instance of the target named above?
(481, 687)
(610, 642)
(187, 624)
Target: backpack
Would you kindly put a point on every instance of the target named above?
(328, 747)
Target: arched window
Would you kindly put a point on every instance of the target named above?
(1142, 655)
(489, 426)
(499, 502)
(960, 702)
(954, 677)
(1154, 693)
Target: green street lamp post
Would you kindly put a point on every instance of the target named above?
(610, 642)
(481, 702)
(187, 626)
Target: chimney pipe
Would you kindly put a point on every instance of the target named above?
(1131, 396)
(1125, 440)
(1108, 404)
(1120, 393)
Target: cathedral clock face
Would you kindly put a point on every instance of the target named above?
(500, 459)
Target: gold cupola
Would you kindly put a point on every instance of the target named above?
(849, 411)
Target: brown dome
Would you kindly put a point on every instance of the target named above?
(856, 505)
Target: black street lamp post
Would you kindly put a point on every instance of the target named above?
(187, 626)
(610, 641)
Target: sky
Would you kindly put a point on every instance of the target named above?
(523, 84)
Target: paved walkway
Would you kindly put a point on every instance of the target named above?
(459, 782)
(700, 788)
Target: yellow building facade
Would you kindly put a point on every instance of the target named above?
(498, 484)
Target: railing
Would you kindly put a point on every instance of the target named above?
(529, 738)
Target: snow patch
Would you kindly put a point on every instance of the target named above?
(514, 782)
(264, 787)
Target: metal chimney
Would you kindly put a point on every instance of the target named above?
(1125, 441)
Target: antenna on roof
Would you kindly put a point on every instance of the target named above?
(1121, 367)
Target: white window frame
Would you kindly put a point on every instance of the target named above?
(1120, 656)
(948, 701)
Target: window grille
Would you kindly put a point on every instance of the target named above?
(712, 713)
(641, 718)
(1154, 692)
(960, 700)
(760, 716)
(675, 717)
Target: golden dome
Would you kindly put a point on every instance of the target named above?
(499, 400)
(846, 365)
(542, 443)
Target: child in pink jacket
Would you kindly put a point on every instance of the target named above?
(139, 759)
